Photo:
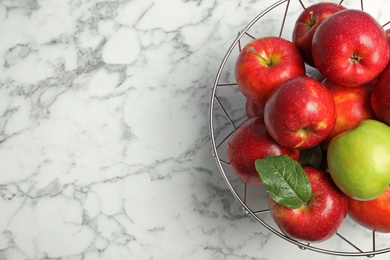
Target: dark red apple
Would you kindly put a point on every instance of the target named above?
(300, 113)
(250, 142)
(263, 64)
(380, 97)
(350, 48)
(318, 219)
(307, 24)
(319, 77)
(253, 110)
(353, 105)
(372, 214)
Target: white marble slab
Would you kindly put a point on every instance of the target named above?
(104, 138)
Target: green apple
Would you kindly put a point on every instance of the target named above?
(359, 160)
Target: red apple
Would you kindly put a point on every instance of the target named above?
(307, 24)
(253, 110)
(300, 113)
(372, 214)
(350, 48)
(380, 97)
(353, 105)
(250, 142)
(263, 64)
(320, 217)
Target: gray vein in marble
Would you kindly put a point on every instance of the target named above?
(84, 88)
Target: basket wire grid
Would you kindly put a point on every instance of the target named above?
(227, 113)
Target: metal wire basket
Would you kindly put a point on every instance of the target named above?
(227, 113)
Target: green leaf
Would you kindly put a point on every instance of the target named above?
(284, 179)
(311, 156)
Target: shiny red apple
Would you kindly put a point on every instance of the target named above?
(300, 113)
(318, 219)
(372, 214)
(353, 105)
(249, 142)
(350, 48)
(263, 64)
(307, 24)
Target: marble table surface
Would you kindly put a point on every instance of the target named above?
(104, 132)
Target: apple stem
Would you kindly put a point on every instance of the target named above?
(312, 20)
(268, 62)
